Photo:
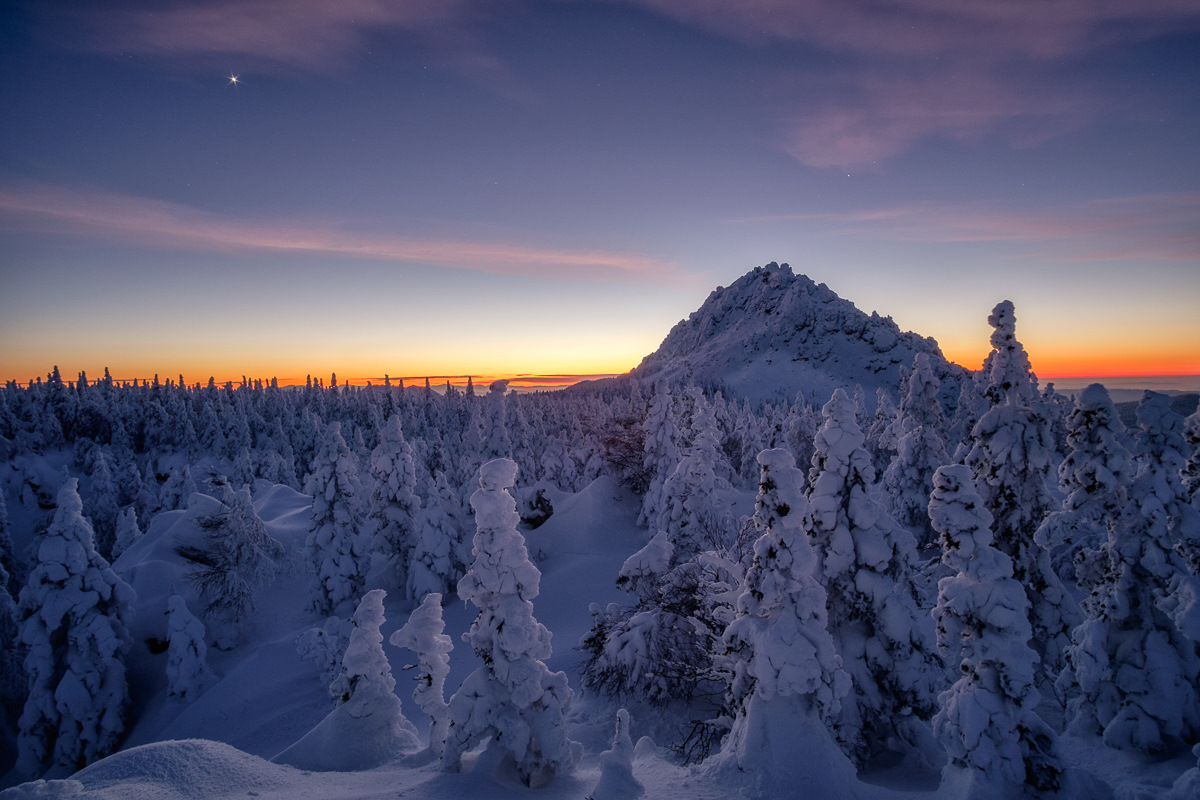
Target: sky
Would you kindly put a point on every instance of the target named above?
(503, 187)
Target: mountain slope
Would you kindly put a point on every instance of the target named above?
(773, 333)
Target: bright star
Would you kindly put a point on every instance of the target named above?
(233, 79)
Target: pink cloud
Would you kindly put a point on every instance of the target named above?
(934, 28)
(294, 32)
(885, 113)
(145, 222)
(1161, 227)
(913, 70)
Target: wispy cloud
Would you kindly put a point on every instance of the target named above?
(913, 70)
(1161, 227)
(147, 222)
(881, 114)
(294, 32)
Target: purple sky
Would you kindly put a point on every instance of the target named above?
(474, 186)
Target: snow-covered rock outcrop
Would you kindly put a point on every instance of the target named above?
(773, 333)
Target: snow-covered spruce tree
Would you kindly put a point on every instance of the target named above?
(986, 720)
(237, 556)
(188, 675)
(12, 678)
(616, 767)
(128, 531)
(441, 542)
(1190, 474)
(885, 642)
(920, 450)
(691, 511)
(367, 727)
(662, 453)
(423, 635)
(8, 556)
(883, 434)
(1095, 478)
(496, 442)
(1011, 456)
(337, 546)
(73, 616)
(1136, 671)
(512, 700)
(394, 509)
(101, 506)
(786, 678)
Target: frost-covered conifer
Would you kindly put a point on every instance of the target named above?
(784, 667)
(513, 699)
(496, 443)
(920, 450)
(986, 720)
(188, 675)
(1095, 478)
(885, 643)
(1011, 456)
(692, 511)
(337, 546)
(128, 531)
(367, 727)
(395, 508)
(423, 635)
(12, 679)
(1136, 670)
(882, 435)
(179, 487)
(101, 507)
(73, 615)
(8, 557)
(662, 453)
(1190, 473)
(616, 767)
(237, 556)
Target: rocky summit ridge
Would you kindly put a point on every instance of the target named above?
(773, 333)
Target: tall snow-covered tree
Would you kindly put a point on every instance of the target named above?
(423, 635)
(337, 546)
(496, 442)
(1136, 670)
(1190, 473)
(74, 612)
(127, 531)
(101, 506)
(885, 642)
(692, 510)
(662, 453)
(1095, 478)
(1011, 456)
(188, 674)
(512, 700)
(237, 556)
(12, 678)
(394, 508)
(367, 727)
(920, 450)
(786, 676)
(986, 720)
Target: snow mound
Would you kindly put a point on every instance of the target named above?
(773, 333)
(195, 769)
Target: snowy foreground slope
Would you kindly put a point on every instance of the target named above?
(219, 746)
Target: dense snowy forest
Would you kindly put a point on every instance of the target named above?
(944, 584)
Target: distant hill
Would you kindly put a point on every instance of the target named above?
(773, 333)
